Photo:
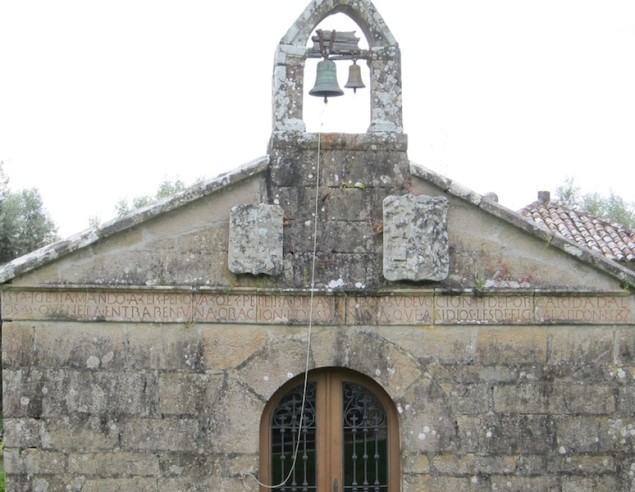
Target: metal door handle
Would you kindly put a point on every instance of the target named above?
(335, 486)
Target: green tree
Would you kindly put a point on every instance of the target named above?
(610, 207)
(24, 222)
(166, 188)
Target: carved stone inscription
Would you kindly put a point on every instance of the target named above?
(579, 309)
(265, 309)
(170, 307)
(111, 306)
(428, 309)
(503, 309)
(441, 310)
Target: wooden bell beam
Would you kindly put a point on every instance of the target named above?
(342, 45)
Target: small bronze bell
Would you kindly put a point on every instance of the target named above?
(326, 81)
(354, 77)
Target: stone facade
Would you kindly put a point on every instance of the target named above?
(140, 356)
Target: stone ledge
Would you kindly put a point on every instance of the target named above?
(380, 141)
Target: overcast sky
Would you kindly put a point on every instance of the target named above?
(102, 100)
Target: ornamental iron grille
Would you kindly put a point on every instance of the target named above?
(286, 429)
(365, 431)
(357, 415)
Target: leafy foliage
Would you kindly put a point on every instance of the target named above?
(166, 188)
(611, 207)
(24, 223)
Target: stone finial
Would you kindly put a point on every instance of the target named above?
(491, 196)
(416, 238)
(383, 58)
(255, 239)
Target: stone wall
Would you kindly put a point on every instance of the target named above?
(491, 401)
(140, 355)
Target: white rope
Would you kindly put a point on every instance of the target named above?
(310, 323)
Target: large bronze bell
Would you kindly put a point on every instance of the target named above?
(355, 77)
(326, 81)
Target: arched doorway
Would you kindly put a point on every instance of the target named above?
(348, 439)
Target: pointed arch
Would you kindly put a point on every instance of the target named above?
(362, 13)
(384, 60)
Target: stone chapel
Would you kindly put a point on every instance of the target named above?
(330, 317)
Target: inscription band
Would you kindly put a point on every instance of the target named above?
(260, 308)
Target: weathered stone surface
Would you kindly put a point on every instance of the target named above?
(187, 394)
(470, 464)
(582, 346)
(22, 392)
(114, 464)
(582, 464)
(221, 351)
(429, 430)
(583, 484)
(625, 347)
(111, 484)
(31, 483)
(512, 346)
(417, 463)
(531, 484)
(72, 392)
(626, 399)
(167, 434)
(467, 399)
(590, 434)
(432, 483)
(368, 352)
(275, 363)
(416, 238)
(92, 434)
(446, 344)
(35, 461)
(80, 346)
(17, 344)
(556, 397)
(255, 239)
(506, 434)
(234, 415)
(22, 432)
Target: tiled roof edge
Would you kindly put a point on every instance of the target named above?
(59, 249)
(599, 261)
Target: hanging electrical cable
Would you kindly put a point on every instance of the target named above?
(316, 211)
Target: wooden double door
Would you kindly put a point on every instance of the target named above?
(337, 433)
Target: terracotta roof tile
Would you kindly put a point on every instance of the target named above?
(615, 241)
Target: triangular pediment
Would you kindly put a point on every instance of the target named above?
(184, 241)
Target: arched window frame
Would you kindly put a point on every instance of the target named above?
(329, 430)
